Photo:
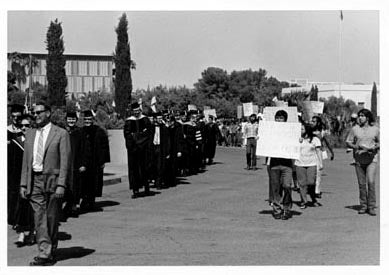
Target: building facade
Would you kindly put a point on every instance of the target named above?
(359, 93)
(85, 73)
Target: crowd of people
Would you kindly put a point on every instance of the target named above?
(56, 173)
(162, 146)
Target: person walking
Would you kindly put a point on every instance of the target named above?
(364, 140)
(97, 146)
(138, 133)
(251, 135)
(43, 179)
(309, 162)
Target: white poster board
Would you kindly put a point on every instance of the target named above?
(192, 107)
(269, 113)
(209, 112)
(317, 107)
(248, 109)
(279, 139)
(255, 109)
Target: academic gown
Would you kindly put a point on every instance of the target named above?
(138, 133)
(211, 135)
(161, 152)
(97, 146)
(176, 145)
(192, 145)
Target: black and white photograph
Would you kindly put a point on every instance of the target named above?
(222, 136)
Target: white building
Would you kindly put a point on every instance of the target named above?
(359, 93)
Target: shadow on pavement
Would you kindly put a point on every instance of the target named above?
(62, 254)
(270, 212)
(101, 204)
(353, 207)
(63, 236)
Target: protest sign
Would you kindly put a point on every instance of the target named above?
(317, 107)
(239, 111)
(209, 112)
(248, 109)
(279, 139)
(255, 109)
(269, 113)
(192, 107)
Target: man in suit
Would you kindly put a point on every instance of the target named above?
(43, 181)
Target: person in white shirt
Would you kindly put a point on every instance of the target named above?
(306, 165)
(251, 134)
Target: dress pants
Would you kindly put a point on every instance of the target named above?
(46, 216)
(251, 148)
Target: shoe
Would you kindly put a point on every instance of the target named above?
(286, 215)
(277, 216)
(318, 195)
(316, 204)
(372, 212)
(42, 261)
(362, 211)
(303, 206)
(254, 168)
(248, 168)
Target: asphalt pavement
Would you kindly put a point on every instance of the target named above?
(218, 217)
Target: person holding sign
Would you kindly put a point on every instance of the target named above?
(251, 134)
(306, 166)
(281, 180)
(364, 140)
(319, 132)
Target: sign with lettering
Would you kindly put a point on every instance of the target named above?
(269, 113)
(248, 109)
(279, 139)
(192, 107)
(317, 107)
(209, 112)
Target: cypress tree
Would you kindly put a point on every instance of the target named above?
(123, 65)
(55, 69)
(374, 100)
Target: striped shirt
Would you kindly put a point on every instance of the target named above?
(251, 130)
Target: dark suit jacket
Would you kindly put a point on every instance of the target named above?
(56, 159)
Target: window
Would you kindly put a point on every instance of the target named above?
(107, 84)
(88, 84)
(92, 67)
(103, 66)
(82, 67)
(68, 67)
(43, 67)
(74, 67)
(98, 83)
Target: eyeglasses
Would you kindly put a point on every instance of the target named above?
(38, 112)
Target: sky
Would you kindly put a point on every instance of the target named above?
(174, 47)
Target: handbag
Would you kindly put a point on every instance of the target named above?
(364, 158)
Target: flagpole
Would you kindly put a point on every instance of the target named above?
(340, 54)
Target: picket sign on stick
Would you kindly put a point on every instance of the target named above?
(317, 107)
(248, 109)
(269, 113)
(209, 112)
(279, 139)
(192, 107)
(255, 109)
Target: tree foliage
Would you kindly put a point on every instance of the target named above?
(55, 70)
(123, 66)
(374, 100)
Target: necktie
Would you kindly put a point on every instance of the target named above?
(39, 157)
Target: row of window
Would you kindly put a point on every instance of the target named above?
(77, 67)
(77, 84)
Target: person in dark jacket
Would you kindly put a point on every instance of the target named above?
(138, 133)
(176, 147)
(78, 163)
(211, 135)
(97, 144)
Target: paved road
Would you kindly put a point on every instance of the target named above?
(219, 217)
